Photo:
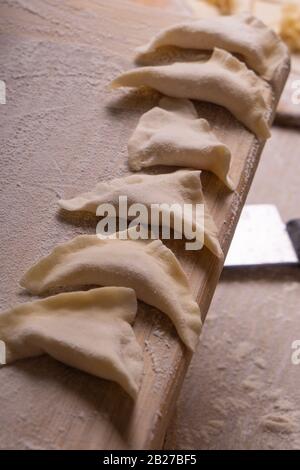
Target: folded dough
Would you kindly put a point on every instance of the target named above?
(242, 34)
(181, 187)
(87, 330)
(148, 267)
(222, 80)
(172, 134)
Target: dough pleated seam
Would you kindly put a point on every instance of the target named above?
(172, 134)
(88, 260)
(182, 188)
(222, 80)
(242, 34)
(89, 330)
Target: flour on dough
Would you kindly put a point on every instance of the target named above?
(146, 266)
(222, 80)
(241, 34)
(172, 134)
(87, 330)
(179, 188)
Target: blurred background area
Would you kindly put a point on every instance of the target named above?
(242, 390)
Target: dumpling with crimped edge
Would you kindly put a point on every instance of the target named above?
(181, 188)
(172, 134)
(242, 34)
(222, 80)
(147, 266)
(87, 330)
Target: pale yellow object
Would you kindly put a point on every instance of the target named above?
(146, 266)
(87, 330)
(290, 26)
(222, 80)
(224, 6)
(172, 134)
(181, 187)
(242, 34)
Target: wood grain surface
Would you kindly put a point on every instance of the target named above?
(62, 132)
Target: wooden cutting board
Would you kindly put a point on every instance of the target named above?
(63, 131)
(288, 112)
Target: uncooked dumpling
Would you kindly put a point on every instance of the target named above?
(222, 80)
(243, 34)
(87, 330)
(181, 187)
(148, 267)
(172, 134)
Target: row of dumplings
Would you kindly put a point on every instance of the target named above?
(91, 330)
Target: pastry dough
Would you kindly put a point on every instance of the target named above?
(222, 80)
(148, 267)
(181, 187)
(87, 330)
(172, 134)
(241, 34)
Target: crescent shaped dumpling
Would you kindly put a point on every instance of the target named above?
(222, 80)
(242, 34)
(181, 187)
(87, 330)
(146, 266)
(172, 134)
